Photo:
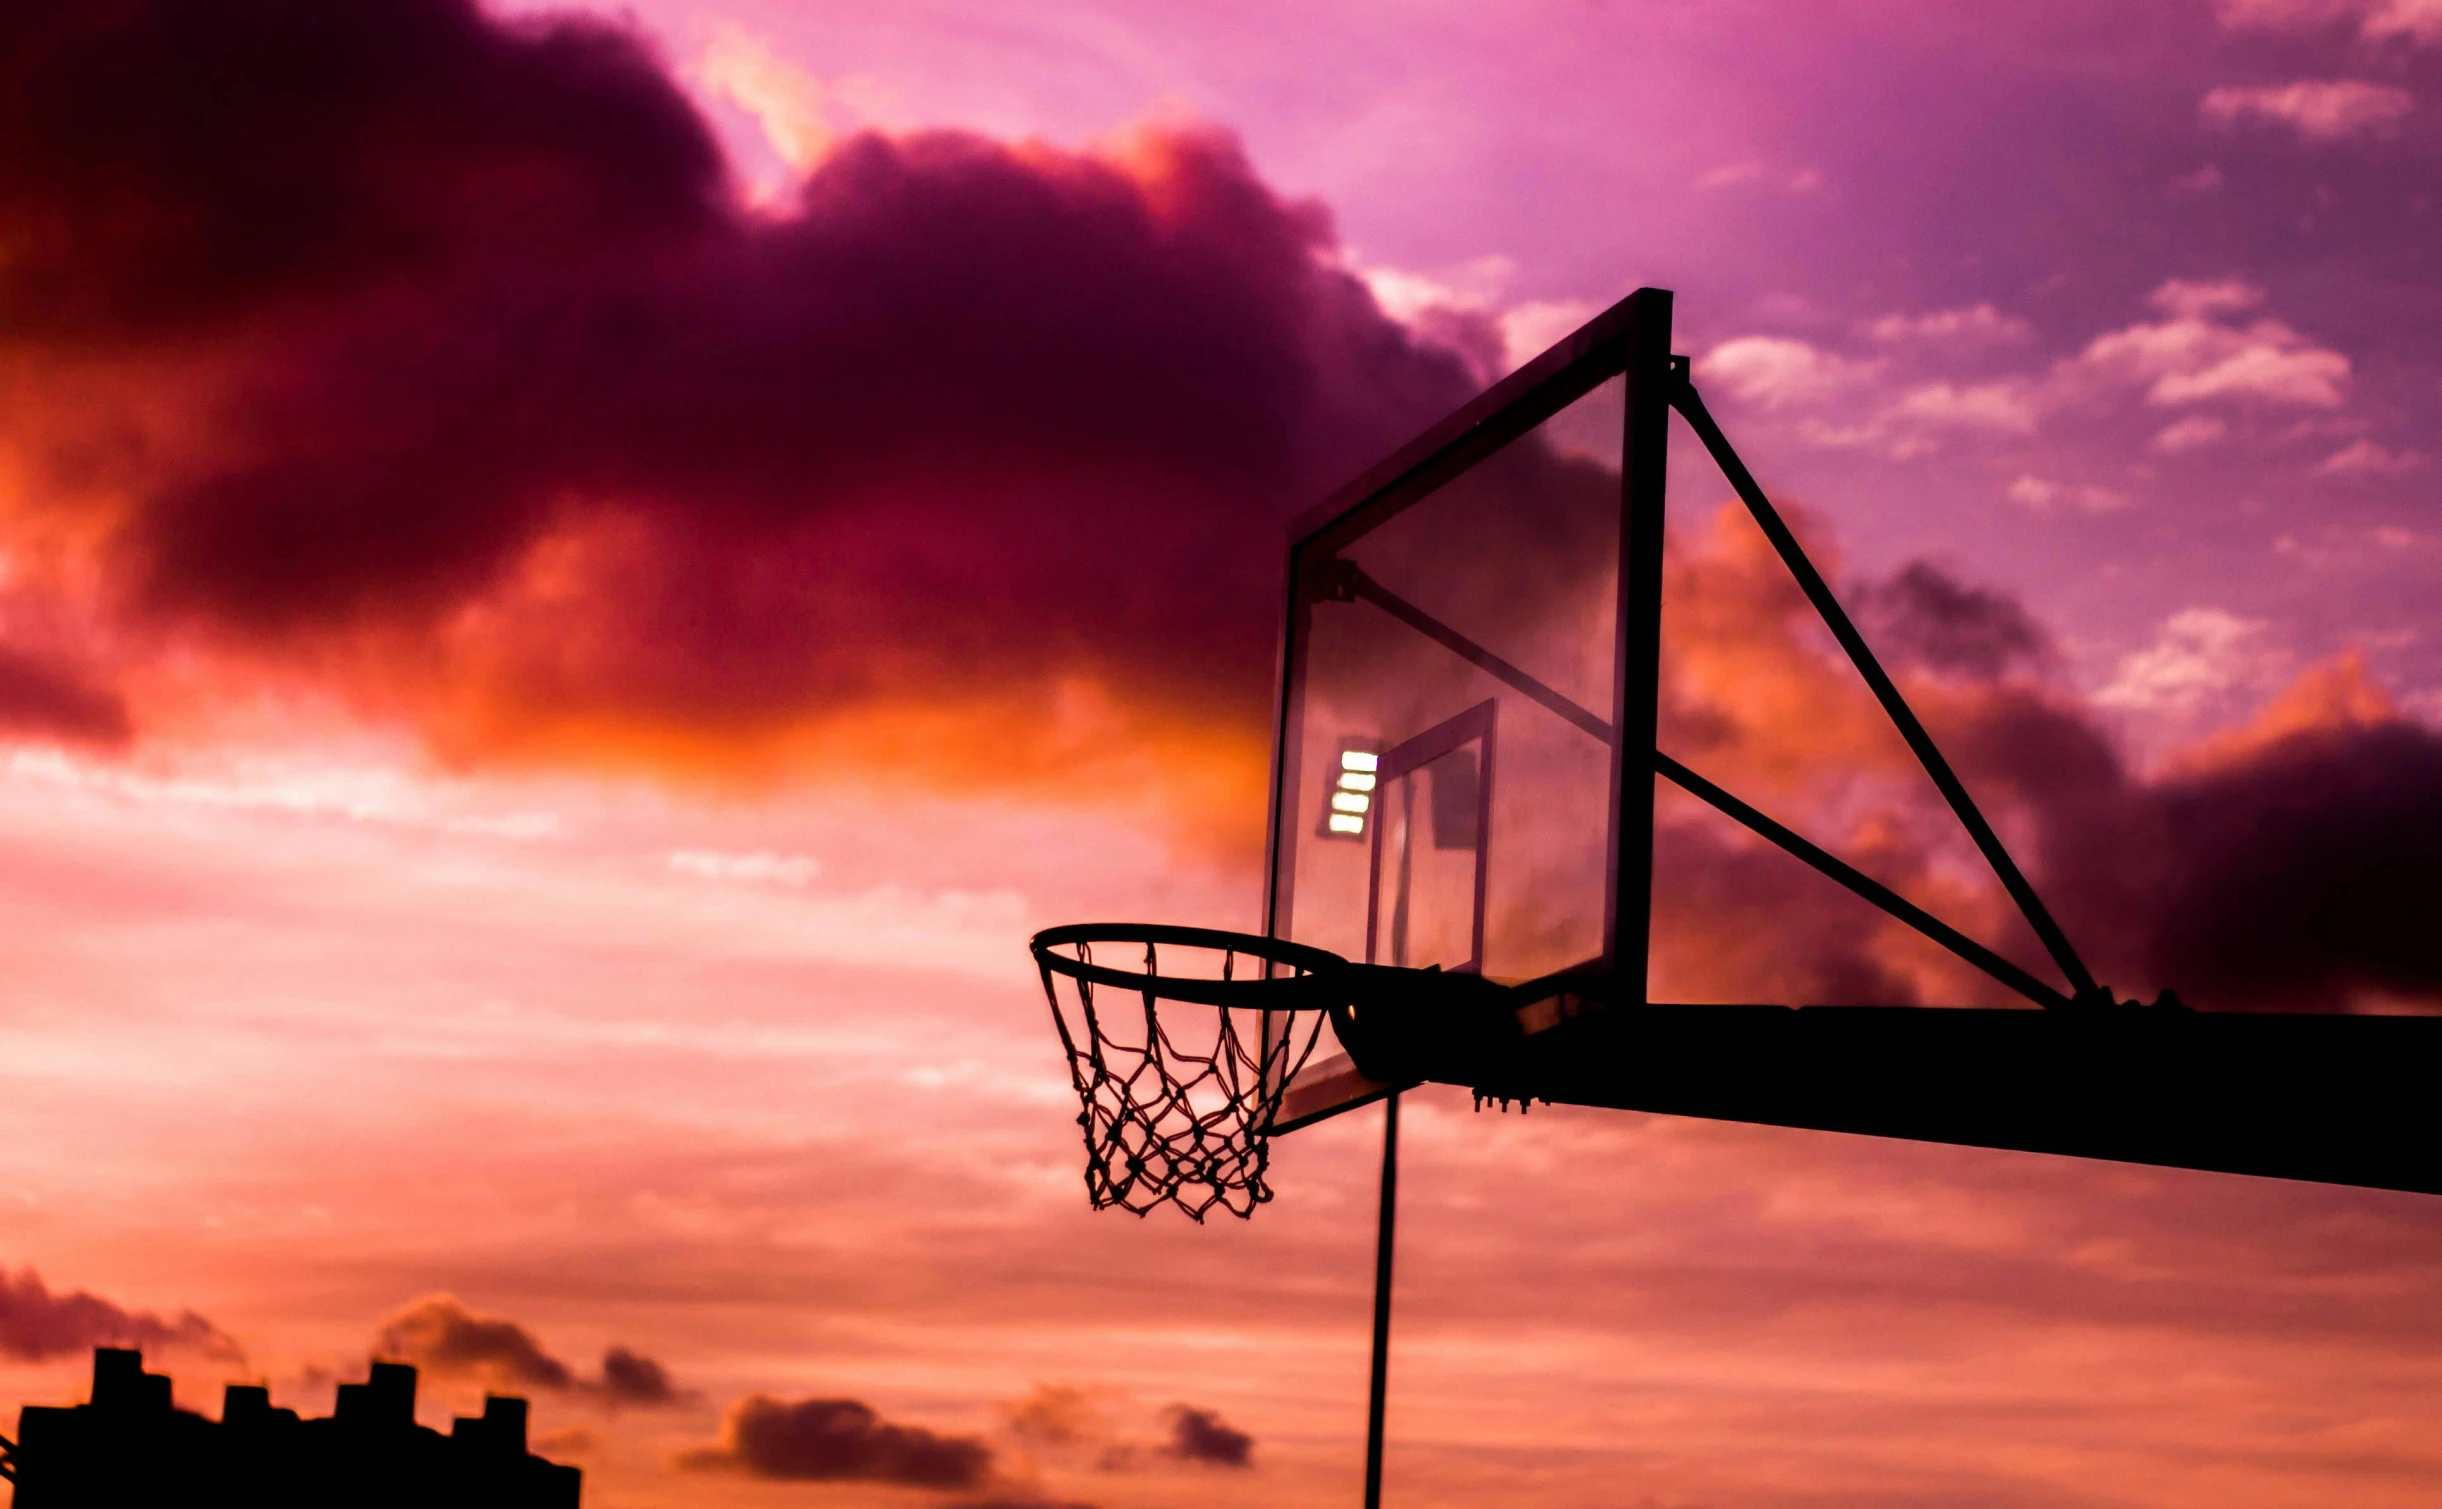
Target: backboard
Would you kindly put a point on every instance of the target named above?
(1447, 788)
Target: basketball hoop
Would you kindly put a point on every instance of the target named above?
(1177, 1108)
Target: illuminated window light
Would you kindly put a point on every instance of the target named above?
(1348, 800)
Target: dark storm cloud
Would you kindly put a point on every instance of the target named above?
(440, 1334)
(1202, 1436)
(2300, 871)
(633, 1378)
(1927, 617)
(468, 290)
(2302, 875)
(837, 1440)
(37, 1325)
(170, 165)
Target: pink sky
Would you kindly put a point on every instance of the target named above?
(547, 674)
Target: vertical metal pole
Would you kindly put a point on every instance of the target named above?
(1382, 1302)
(1637, 667)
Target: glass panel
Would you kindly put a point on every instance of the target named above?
(1426, 868)
(1494, 599)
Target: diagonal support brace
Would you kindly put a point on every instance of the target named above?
(2056, 943)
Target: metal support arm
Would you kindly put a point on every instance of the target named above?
(1691, 407)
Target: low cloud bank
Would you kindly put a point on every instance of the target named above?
(37, 1325)
(837, 1441)
(444, 1337)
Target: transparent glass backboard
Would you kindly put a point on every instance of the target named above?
(1445, 772)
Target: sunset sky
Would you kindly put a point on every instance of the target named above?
(574, 584)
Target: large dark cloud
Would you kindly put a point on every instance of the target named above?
(36, 1324)
(2308, 873)
(2302, 872)
(837, 1440)
(480, 345)
(1925, 616)
(170, 166)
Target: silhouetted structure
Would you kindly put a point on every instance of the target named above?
(131, 1448)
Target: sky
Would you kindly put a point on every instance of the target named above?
(573, 585)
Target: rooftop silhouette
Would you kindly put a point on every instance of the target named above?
(131, 1447)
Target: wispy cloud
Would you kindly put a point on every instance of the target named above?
(2196, 354)
(2320, 110)
(2194, 432)
(2365, 458)
(2043, 495)
(1968, 325)
(2201, 655)
(1779, 372)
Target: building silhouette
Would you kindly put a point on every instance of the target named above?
(130, 1448)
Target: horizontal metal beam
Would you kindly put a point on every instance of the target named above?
(2334, 1099)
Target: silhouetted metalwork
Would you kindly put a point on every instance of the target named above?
(2330, 1098)
(1685, 399)
(1386, 1232)
(131, 1448)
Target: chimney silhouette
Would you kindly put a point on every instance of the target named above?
(384, 1401)
(121, 1386)
(500, 1428)
(245, 1404)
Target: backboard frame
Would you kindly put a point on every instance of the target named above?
(1630, 340)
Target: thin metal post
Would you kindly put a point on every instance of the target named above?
(1637, 662)
(1389, 1222)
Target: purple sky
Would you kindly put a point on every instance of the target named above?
(1840, 176)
